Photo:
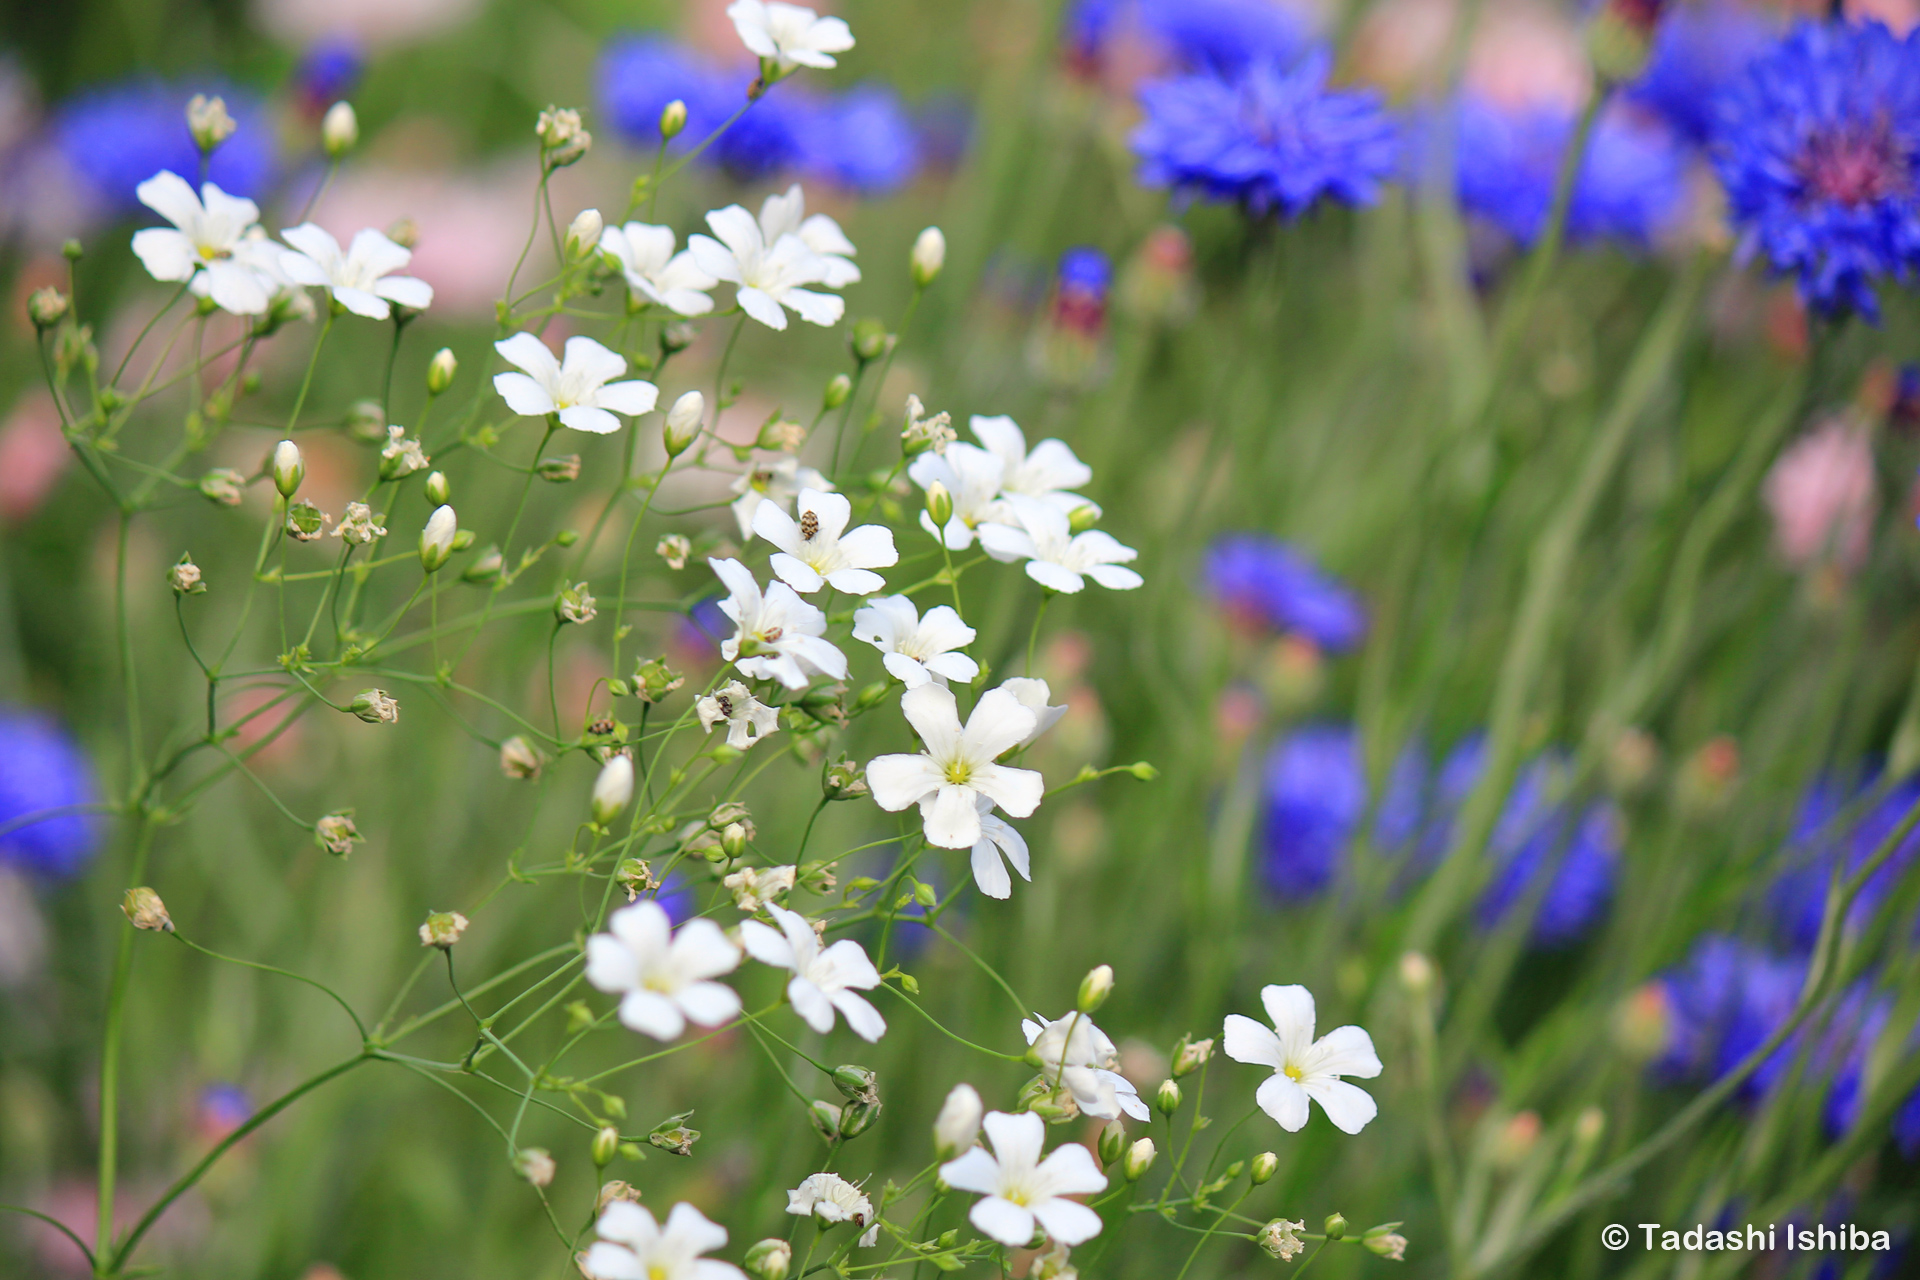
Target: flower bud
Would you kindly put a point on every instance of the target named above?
(870, 340)
(1167, 1100)
(605, 1144)
(1139, 1159)
(1095, 988)
(438, 490)
(957, 1126)
(562, 470)
(184, 578)
(534, 1164)
(613, 1191)
(366, 421)
(519, 759)
(772, 1258)
(222, 485)
(46, 306)
(612, 790)
(1336, 1227)
(575, 604)
(845, 780)
(857, 1083)
(839, 388)
(561, 136)
(1083, 518)
(1113, 1143)
(683, 423)
(440, 371)
(375, 706)
(1263, 1168)
(929, 255)
(939, 504)
(583, 234)
(336, 834)
(288, 468)
(208, 122)
(856, 1117)
(72, 250)
(436, 539)
(1189, 1055)
(146, 911)
(339, 130)
(673, 118)
(485, 567)
(825, 1118)
(654, 680)
(733, 842)
(442, 929)
(674, 549)
(1390, 1245)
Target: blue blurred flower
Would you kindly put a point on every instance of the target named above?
(1631, 183)
(43, 769)
(862, 140)
(1723, 1003)
(1221, 35)
(223, 1108)
(677, 898)
(1268, 139)
(117, 137)
(1275, 584)
(1316, 799)
(1818, 146)
(1699, 50)
(327, 74)
(1798, 897)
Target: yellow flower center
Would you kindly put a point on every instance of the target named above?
(1294, 1073)
(959, 773)
(656, 1271)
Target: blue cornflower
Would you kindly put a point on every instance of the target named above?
(1723, 1003)
(42, 769)
(328, 73)
(862, 140)
(640, 75)
(1799, 896)
(1631, 183)
(1316, 799)
(1699, 51)
(1818, 146)
(1273, 583)
(1270, 140)
(1219, 35)
(117, 137)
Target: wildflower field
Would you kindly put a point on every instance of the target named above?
(1137, 639)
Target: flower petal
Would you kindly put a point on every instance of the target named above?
(1068, 1221)
(708, 1003)
(652, 1014)
(898, 781)
(1002, 1220)
(586, 418)
(1284, 1100)
(1245, 1040)
(1291, 1010)
(811, 1003)
(631, 398)
(860, 1015)
(1348, 1106)
(166, 254)
(974, 1170)
(951, 817)
(1343, 1051)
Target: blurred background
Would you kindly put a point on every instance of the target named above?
(1338, 524)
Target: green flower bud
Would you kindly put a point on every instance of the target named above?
(1167, 1100)
(1336, 1227)
(1264, 1166)
(839, 388)
(1095, 988)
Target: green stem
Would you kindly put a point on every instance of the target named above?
(110, 1049)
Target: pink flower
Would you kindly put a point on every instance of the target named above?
(33, 453)
(1821, 494)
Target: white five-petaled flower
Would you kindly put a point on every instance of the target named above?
(779, 635)
(831, 1198)
(767, 276)
(823, 979)
(786, 215)
(1084, 1059)
(580, 390)
(972, 476)
(665, 976)
(1303, 1067)
(778, 482)
(207, 245)
(914, 649)
(817, 549)
(792, 35)
(361, 279)
(1050, 472)
(651, 267)
(1021, 1188)
(632, 1246)
(957, 769)
(1057, 558)
(747, 718)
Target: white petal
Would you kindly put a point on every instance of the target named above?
(1284, 1100)
(1245, 1040)
(1002, 1220)
(935, 716)
(238, 289)
(869, 547)
(851, 965)
(631, 398)
(898, 781)
(1055, 577)
(1018, 791)
(653, 1014)
(1016, 1139)
(708, 1003)
(610, 965)
(1290, 1009)
(593, 421)
(1068, 1221)
(951, 817)
(169, 195)
(989, 871)
(524, 351)
(1115, 578)
(861, 1016)
(1348, 1106)
(523, 395)
(766, 945)
(856, 582)
(362, 303)
(906, 670)
(701, 950)
(815, 308)
(999, 723)
(974, 1170)
(166, 254)
(811, 1004)
(760, 305)
(1343, 1051)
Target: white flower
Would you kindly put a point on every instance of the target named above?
(779, 636)
(1083, 1058)
(822, 980)
(831, 1198)
(747, 718)
(1048, 473)
(998, 837)
(956, 770)
(916, 649)
(1021, 1188)
(790, 34)
(664, 975)
(818, 549)
(1057, 558)
(1032, 693)
(207, 244)
(361, 279)
(357, 526)
(1303, 1067)
(754, 889)
(578, 390)
(402, 456)
(957, 1127)
(651, 267)
(779, 482)
(768, 276)
(786, 215)
(973, 476)
(632, 1246)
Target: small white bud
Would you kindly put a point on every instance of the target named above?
(929, 255)
(438, 490)
(772, 1258)
(683, 423)
(583, 234)
(674, 549)
(442, 929)
(673, 118)
(1167, 1100)
(1265, 1165)
(145, 910)
(957, 1126)
(436, 540)
(612, 790)
(339, 129)
(208, 122)
(519, 758)
(535, 1165)
(440, 371)
(939, 504)
(1095, 988)
(1139, 1159)
(289, 468)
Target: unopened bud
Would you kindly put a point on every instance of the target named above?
(222, 485)
(562, 470)
(1589, 1125)
(673, 119)
(72, 250)
(772, 1258)
(612, 790)
(683, 423)
(957, 1126)
(733, 842)
(146, 911)
(1167, 1100)
(336, 834)
(440, 371)
(870, 340)
(583, 234)
(605, 1144)
(1095, 988)
(366, 421)
(1082, 518)
(436, 539)
(1113, 1143)
(46, 306)
(339, 130)
(438, 490)
(1139, 1159)
(375, 706)
(839, 388)
(184, 578)
(929, 255)
(519, 759)
(939, 504)
(534, 1164)
(1336, 1227)
(1263, 1168)
(485, 567)
(442, 929)
(825, 1118)
(857, 1117)
(1390, 1245)
(208, 122)
(289, 468)
(1189, 1055)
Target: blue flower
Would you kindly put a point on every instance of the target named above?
(1219, 35)
(1275, 584)
(117, 137)
(1799, 895)
(1724, 1002)
(862, 140)
(1630, 184)
(1268, 139)
(1818, 146)
(1699, 51)
(328, 73)
(42, 769)
(1316, 800)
